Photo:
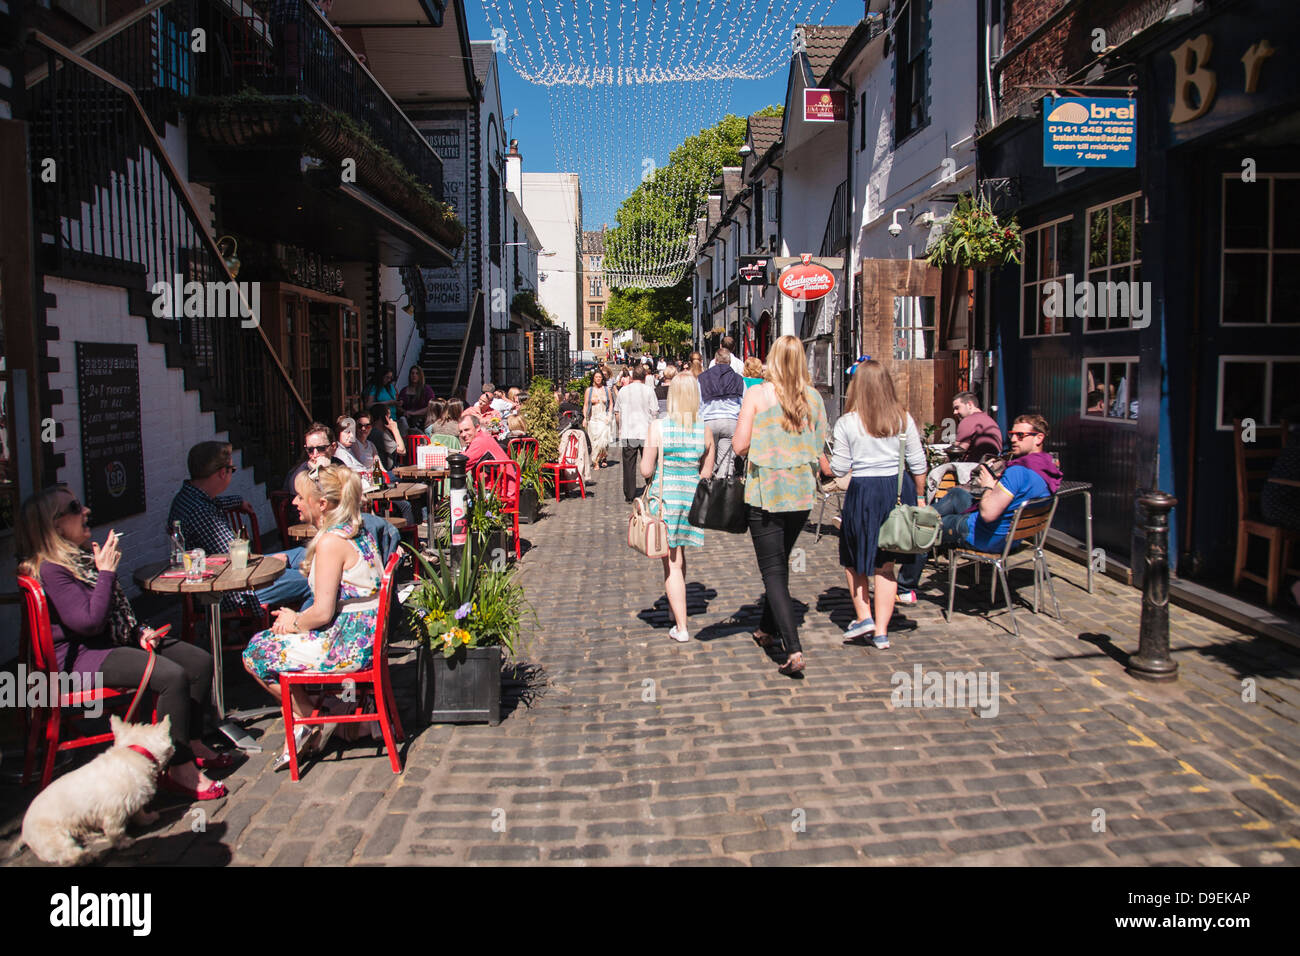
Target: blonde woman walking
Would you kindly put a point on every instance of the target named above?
(782, 428)
(686, 447)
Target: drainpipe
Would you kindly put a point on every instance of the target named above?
(837, 364)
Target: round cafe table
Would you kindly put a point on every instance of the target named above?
(304, 532)
(433, 476)
(208, 591)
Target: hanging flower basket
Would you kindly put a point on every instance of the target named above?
(974, 237)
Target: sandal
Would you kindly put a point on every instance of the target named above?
(303, 738)
(794, 664)
(216, 790)
(222, 761)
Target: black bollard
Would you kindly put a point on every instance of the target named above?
(458, 516)
(1152, 661)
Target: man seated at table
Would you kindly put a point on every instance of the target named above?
(477, 445)
(977, 433)
(1031, 473)
(200, 507)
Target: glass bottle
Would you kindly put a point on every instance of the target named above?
(177, 546)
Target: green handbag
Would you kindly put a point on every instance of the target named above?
(909, 529)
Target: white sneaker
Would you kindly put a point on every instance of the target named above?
(677, 635)
(906, 597)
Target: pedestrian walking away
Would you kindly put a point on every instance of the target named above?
(684, 446)
(782, 428)
(866, 448)
(635, 408)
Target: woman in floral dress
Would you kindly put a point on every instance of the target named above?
(344, 570)
(686, 446)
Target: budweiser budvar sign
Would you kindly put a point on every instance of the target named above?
(807, 280)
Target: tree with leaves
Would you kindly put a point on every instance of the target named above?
(654, 232)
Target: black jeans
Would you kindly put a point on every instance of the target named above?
(182, 679)
(632, 449)
(774, 534)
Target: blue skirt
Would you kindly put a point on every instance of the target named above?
(867, 504)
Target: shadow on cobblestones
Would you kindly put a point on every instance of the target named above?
(697, 602)
(522, 683)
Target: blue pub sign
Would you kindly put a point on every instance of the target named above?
(1084, 131)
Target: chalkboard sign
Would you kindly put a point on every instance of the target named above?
(112, 453)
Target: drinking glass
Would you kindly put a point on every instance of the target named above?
(196, 564)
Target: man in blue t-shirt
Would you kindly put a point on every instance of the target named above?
(1030, 474)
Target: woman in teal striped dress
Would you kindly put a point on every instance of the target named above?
(686, 449)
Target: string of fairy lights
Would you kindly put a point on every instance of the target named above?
(629, 81)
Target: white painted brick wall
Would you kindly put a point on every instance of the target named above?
(171, 418)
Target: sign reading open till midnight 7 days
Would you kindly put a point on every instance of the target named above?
(1079, 131)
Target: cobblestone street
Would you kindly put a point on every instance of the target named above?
(635, 749)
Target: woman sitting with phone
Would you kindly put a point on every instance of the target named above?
(96, 633)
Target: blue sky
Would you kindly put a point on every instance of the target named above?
(533, 126)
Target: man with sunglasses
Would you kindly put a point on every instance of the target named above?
(200, 505)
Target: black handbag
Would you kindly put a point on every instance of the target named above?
(719, 503)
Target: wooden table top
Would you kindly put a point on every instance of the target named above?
(401, 491)
(1286, 481)
(301, 532)
(414, 471)
(261, 571)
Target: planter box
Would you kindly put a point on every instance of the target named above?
(462, 689)
(530, 506)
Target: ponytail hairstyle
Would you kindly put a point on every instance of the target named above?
(787, 370)
(340, 488)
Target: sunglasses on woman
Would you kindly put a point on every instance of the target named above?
(73, 508)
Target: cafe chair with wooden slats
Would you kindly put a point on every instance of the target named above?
(1253, 460)
(946, 484)
(376, 675)
(50, 725)
(1025, 538)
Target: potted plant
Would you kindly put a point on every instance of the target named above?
(530, 486)
(465, 614)
(973, 237)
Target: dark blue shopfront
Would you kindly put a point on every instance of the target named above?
(1156, 304)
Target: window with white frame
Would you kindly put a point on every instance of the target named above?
(1110, 389)
(1259, 387)
(1046, 248)
(914, 327)
(593, 340)
(597, 286)
(1114, 256)
(1261, 250)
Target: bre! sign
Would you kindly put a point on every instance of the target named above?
(806, 280)
(1082, 131)
(823, 106)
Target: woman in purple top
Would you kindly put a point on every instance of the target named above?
(95, 631)
(415, 399)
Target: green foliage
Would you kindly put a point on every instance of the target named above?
(526, 302)
(661, 316)
(655, 223)
(542, 414)
(480, 603)
(579, 385)
(974, 238)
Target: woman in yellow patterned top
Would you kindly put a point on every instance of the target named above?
(782, 429)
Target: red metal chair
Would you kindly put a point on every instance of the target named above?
(47, 723)
(376, 675)
(529, 444)
(567, 463)
(242, 517)
(414, 441)
(502, 479)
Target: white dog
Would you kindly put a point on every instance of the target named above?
(101, 796)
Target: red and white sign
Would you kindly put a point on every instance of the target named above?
(823, 106)
(806, 281)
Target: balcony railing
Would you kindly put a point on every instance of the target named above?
(295, 53)
(117, 203)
